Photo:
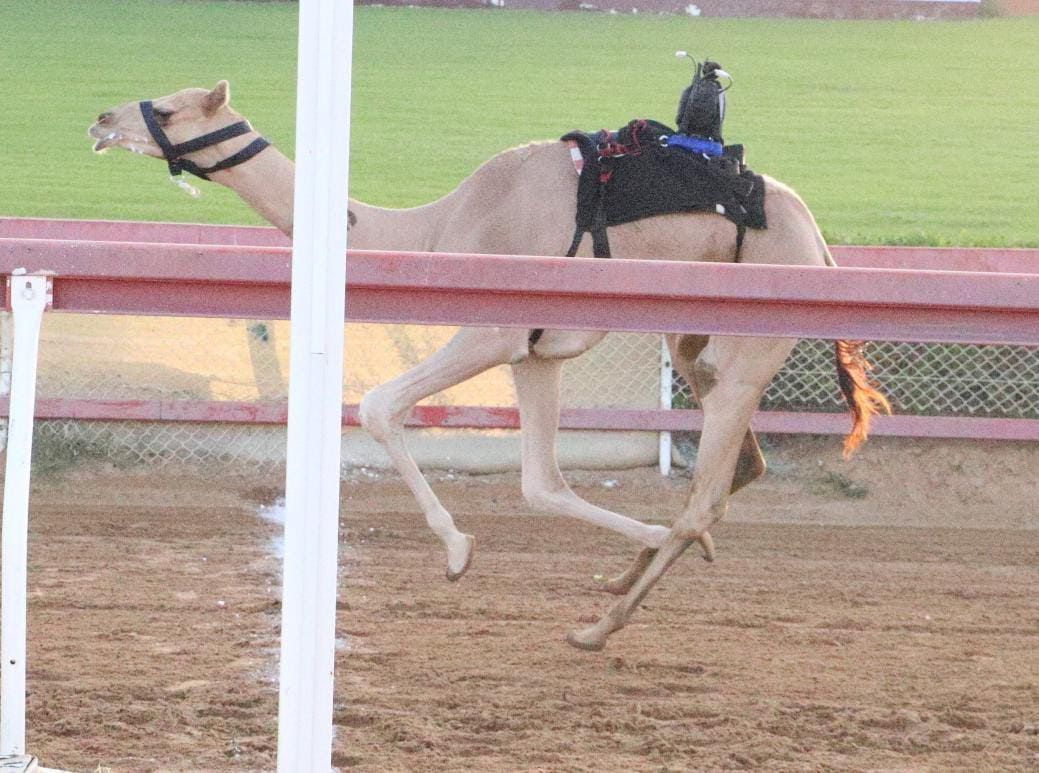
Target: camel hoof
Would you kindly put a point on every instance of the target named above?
(707, 545)
(588, 640)
(617, 586)
(453, 575)
(623, 583)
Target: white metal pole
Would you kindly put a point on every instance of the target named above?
(29, 297)
(315, 386)
(665, 403)
(6, 348)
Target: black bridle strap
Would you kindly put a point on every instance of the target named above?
(174, 153)
(240, 157)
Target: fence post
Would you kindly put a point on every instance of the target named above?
(665, 403)
(6, 348)
(29, 296)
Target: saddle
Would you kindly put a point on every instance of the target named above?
(647, 168)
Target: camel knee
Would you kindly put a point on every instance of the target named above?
(377, 415)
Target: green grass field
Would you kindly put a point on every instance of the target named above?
(894, 132)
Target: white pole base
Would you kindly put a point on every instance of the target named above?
(19, 763)
(24, 763)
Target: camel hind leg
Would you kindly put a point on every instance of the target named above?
(384, 409)
(685, 349)
(739, 370)
(749, 467)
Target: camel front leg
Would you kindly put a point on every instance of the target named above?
(537, 392)
(384, 409)
(738, 371)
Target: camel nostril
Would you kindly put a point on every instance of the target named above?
(104, 117)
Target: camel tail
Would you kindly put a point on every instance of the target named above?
(864, 400)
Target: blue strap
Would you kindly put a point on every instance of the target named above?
(694, 144)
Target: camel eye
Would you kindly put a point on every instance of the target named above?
(163, 114)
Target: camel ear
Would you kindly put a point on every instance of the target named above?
(217, 98)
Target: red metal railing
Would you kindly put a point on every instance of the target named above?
(992, 296)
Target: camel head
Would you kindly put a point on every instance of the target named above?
(183, 116)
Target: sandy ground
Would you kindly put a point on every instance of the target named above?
(879, 615)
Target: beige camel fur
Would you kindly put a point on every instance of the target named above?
(522, 201)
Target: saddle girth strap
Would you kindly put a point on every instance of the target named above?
(600, 240)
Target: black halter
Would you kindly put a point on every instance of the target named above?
(174, 154)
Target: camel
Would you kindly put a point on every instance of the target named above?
(522, 202)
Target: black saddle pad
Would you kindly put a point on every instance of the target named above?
(635, 176)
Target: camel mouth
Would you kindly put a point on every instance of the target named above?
(107, 139)
(105, 143)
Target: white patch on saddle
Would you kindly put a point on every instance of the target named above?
(575, 155)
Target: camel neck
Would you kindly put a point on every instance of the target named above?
(265, 183)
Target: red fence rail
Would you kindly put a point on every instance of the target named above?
(988, 296)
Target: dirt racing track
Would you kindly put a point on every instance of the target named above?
(877, 615)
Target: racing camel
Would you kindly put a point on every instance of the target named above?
(522, 202)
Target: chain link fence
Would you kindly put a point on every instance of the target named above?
(919, 379)
(131, 359)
